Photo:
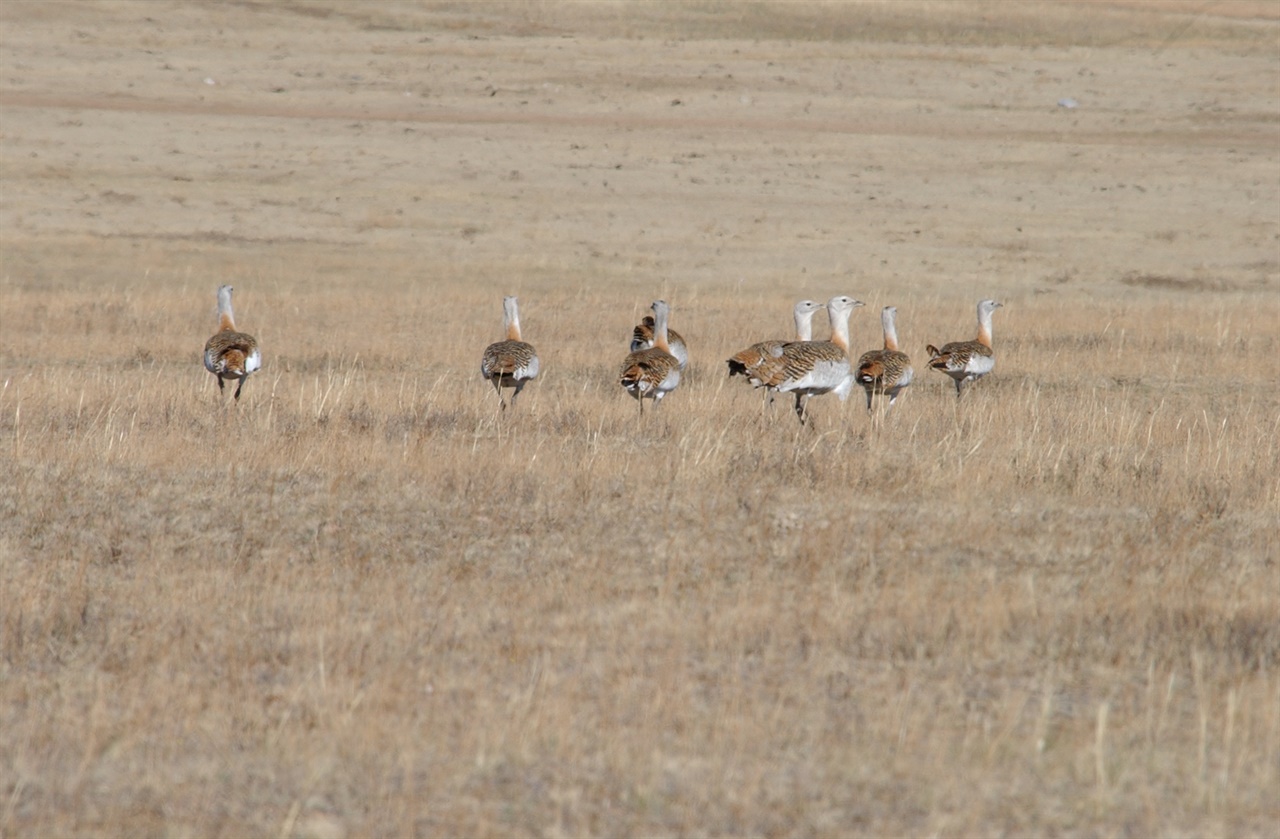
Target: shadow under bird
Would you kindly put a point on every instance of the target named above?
(762, 363)
(812, 368)
(968, 361)
(885, 372)
(653, 372)
(230, 354)
(510, 363)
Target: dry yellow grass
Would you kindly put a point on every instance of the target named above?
(366, 603)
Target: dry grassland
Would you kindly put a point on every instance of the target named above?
(365, 603)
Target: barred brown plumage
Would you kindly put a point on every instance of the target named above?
(887, 371)
(761, 363)
(966, 361)
(230, 354)
(642, 339)
(811, 368)
(510, 363)
(653, 372)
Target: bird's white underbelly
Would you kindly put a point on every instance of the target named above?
(825, 376)
(980, 365)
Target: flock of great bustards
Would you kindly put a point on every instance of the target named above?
(802, 367)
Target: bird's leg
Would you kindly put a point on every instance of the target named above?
(238, 387)
(221, 386)
(516, 393)
(886, 407)
(496, 381)
(801, 399)
(959, 385)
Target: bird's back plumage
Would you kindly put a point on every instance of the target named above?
(510, 359)
(232, 354)
(816, 365)
(646, 373)
(961, 357)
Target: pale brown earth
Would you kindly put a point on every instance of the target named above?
(363, 603)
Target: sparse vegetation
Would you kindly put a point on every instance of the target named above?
(366, 602)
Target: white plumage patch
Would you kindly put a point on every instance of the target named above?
(980, 365)
(842, 389)
(825, 376)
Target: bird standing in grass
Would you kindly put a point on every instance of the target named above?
(761, 363)
(888, 371)
(812, 368)
(967, 361)
(509, 363)
(230, 354)
(654, 372)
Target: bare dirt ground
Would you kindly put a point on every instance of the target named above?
(363, 603)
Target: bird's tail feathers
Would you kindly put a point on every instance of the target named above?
(870, 371)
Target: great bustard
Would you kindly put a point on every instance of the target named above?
(642, 338)
(509, 363)
(653, 372)
(966, 361)
(888, 371)
(812, 368)
(761, 363)
(230, 354)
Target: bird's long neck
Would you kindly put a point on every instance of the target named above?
(984, 328)
(226, 319)
(890, 331)
(840, 328)
(660, 330)
(804, 325)
(513, 321)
